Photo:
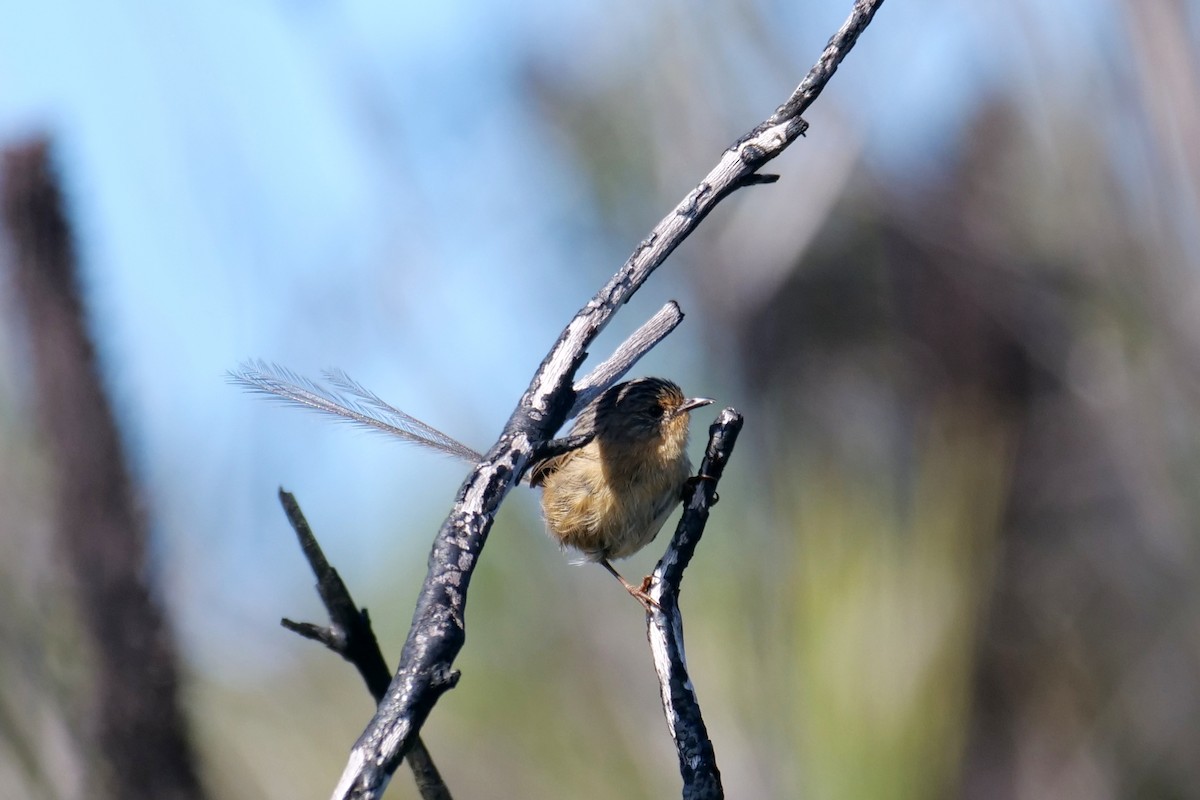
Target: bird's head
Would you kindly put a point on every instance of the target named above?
(645, 409)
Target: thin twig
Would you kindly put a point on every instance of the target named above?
(438, 628)
(831, 57)
(624, 357)
(664, 625)
(350, 635)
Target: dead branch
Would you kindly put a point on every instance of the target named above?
(664, 625)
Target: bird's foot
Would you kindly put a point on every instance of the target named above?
(692, 483)
(639, 593)
(642, 594)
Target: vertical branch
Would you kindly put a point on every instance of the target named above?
(664, 625)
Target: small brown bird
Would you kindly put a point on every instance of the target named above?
(607, 499)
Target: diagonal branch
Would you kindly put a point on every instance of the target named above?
(837, 48)
(640, 342)
(438, 628)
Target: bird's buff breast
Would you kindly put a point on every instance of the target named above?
(604, 512)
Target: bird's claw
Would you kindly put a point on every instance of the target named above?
(694, 482)
(642, 594)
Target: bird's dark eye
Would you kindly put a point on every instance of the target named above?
(656, 411)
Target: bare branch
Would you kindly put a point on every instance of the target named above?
(839, 45)
(624, 357)
(438, 629)
(351, 636)
(664, 625)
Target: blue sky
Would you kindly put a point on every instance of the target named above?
(314, 184)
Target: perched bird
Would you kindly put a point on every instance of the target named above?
(607, 499)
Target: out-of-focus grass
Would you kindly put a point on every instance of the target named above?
(857, 649)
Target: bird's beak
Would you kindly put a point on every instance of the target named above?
(694, 403)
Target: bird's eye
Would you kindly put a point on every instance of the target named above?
(656, 411)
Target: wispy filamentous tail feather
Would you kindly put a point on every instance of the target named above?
(348, 400)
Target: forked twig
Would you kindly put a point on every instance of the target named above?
(349, 634)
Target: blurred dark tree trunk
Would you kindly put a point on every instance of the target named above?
(139, 730)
